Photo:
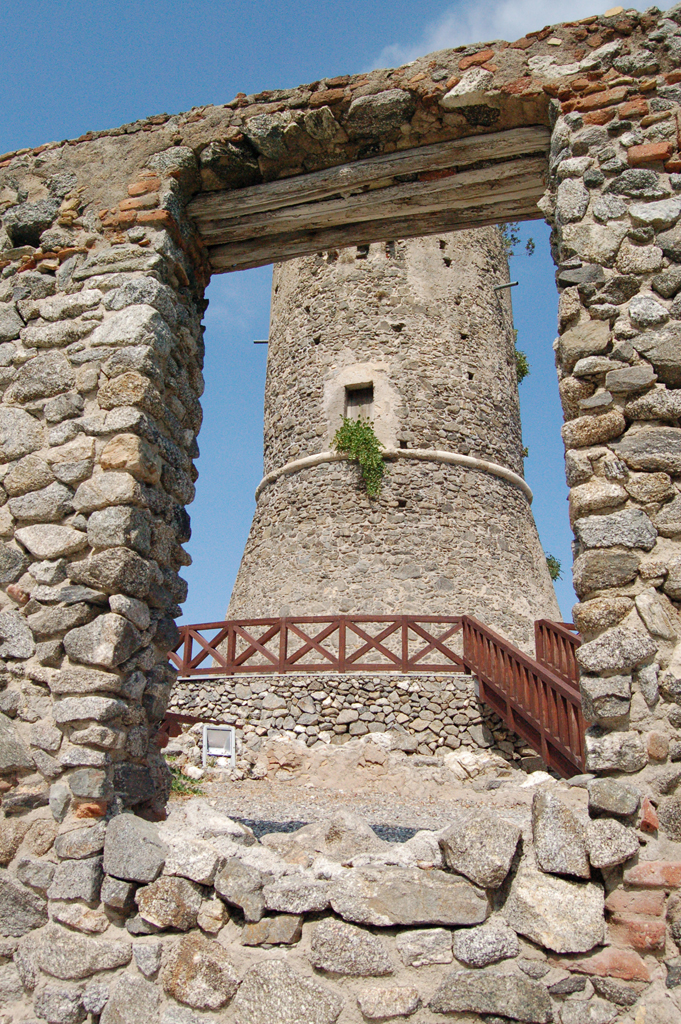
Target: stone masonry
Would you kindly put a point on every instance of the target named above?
(101, 295)
(418, 323)
(433, 711)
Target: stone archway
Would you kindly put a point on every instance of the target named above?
(108, 242)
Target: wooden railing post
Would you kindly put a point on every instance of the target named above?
(283, 644)
(341, 643)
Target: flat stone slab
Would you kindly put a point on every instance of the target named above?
(489, 991)
(393, 896)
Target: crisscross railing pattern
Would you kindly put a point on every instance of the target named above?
(342, 643)
(538, 699)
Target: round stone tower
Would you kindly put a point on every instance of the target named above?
(413, 335)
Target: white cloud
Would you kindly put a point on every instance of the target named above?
(471, 21)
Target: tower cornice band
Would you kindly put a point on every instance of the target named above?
(421, 454)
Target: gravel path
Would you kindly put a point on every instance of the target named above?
(290, 805)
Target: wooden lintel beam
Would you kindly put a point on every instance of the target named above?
(346, 178)
(462, 189)
(278, 248)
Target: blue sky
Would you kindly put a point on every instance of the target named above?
(72, 66)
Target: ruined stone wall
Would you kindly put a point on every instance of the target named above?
(534, 910)
(101, 278)
(101, 371)
(420, 321)
(615, 209)
(432, 711)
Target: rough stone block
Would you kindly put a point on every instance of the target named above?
(421, 947)
(616, 650)
(114, 570)
(120, 526)
(610, 843)
(490, 991)
(241, 885)
(21, 909)
(487, 944)
(65, 954)
(610, 796)
(559, 841)
(342, 948)
(282, 929)
(602, 569)
(480, 845)
(605, 699)
(77, 879)
(558, 914)
(51, 541)
(273, 992)
(386, 1003)
(630, 528)
(614, 751)
(108, 641)
(198, 972)
(133, 850)
(131, 999)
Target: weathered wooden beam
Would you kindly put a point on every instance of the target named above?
(459, 189)
(278, 248)
(346, 178)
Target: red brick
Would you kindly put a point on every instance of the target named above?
(70, 250)
(649, 822)
(139, 202)
(649, 153)
(18, 594)
(518, 86)
(476, 59)
(672, 77)
(599, 117)
(522, 44)
(490, 67)
(161, 217)
(633, 108)
(645, 934)
(673, 166)
(613, 963)
(93, 809)
(654, 874)
(623, 902)
(326, 97)
(140, 188)
(598, 100)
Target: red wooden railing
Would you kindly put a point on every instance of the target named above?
(536, 703)
(341, 643)
(555, 644)
(538, 699)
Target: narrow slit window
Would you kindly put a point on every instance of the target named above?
(359, 402)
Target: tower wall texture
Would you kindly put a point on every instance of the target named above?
(421, 322)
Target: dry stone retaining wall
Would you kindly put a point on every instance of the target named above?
(430, 711)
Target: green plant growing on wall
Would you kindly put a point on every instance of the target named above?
(554, 566)
(357, 439)
(522, 363)
(522, 366)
